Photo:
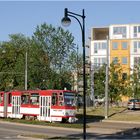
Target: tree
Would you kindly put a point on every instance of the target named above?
(118, 85)
(51, 59)
(59, 47)
(135, 82)
(12, 62)
(99, 81)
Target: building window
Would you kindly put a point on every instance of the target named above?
(95, 48)
(120, 31)
(124, 76)
(104, 61)
(99, 61)
(124, 45)
(99, 46)
(124, 60)
(115, 60)
(139, 44)
(104, 46)
(115, 45)
(136, 30)
(136, 45)
(136, 60)
(95, 61)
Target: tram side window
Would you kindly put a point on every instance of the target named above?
(9, 98)
(34, 99)
(61, 99)
(54, 99)
(1, 98)
(25, 99)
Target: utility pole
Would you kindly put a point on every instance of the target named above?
(92, 96)
(106, 83)
(26, 76)
(77, 71)
(92, 85)
(5, 104)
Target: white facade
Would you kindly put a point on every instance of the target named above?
(119, 31)
(98, 52)
(128, 32)
(134, 31)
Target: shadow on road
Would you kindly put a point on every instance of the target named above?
(133, 133)
(89, 118)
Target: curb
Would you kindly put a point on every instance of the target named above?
(125, 122)
(30, 138)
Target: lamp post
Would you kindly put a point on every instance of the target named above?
(77, 72)
(66, 22)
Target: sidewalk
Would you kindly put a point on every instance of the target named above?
(125, 122)
(107, 126)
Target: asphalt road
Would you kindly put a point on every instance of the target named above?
(10, 130)
(98, 130)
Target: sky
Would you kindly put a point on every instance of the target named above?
(24, 16)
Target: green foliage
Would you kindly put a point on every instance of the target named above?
(99, 81)
(135, 82)
(51, 59)
(117, 85)
(12, 62)
(60, 49)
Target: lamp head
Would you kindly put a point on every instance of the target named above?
(65, 20)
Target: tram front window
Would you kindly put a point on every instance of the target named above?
(69, 99)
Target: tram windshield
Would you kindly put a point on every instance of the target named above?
(69, 99)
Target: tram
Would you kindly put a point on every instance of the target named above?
(43, 105)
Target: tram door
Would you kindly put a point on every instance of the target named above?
(16, 101)
(45, 105)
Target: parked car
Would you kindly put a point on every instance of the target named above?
(133, 104)
(99, 101)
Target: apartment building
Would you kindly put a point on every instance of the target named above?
(123, 44)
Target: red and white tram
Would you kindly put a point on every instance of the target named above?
(45, 105)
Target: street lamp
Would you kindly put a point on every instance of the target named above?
(66, 22)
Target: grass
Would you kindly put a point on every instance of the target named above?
(35, 122)
(92, 115)
(126, 116)
(115, 113)
(91, 112)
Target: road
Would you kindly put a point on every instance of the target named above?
(98, 130)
